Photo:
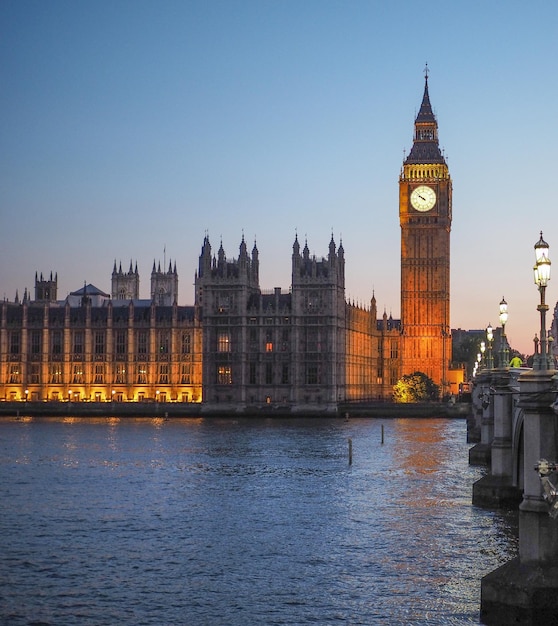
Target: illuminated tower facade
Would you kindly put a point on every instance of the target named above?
(425, 196)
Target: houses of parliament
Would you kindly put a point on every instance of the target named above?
(240, 346)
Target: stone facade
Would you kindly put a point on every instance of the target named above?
(305, 349)
(92, 348)
(239, 347)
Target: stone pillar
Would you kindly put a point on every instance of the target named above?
(496, 489)
(538, 532)
(502, 463)
(475, 416)
(480, 453)
(525, 590)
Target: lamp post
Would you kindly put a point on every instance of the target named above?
(542, 359)
(504, 348)
(483, 350)
(489, 339)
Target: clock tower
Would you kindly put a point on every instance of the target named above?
(425, 218)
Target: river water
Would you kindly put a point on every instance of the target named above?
(242, 522)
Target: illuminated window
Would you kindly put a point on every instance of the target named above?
(186, 374)
(56, 374)
(78, 374)
(141, 373)
(14, 374)
(224, 342)
(224, 375)
(163, 373)
(34, 374)
(120, 374)
(99, 373)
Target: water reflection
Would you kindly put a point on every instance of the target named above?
(243, 522)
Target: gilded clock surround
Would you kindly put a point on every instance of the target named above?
(423, 198)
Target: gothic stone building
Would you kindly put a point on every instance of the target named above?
(240, 346)
(304, 349)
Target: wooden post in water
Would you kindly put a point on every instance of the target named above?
(382, 434)
(350, 451)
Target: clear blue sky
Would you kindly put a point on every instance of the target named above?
(130, 129)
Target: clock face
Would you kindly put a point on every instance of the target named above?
(423, 198)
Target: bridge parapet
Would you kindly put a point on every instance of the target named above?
(524, 590)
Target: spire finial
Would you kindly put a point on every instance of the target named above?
(426, 72)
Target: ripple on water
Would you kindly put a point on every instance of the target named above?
(244, 522)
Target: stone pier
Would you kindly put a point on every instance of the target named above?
(525, 590)
(483, 414)
(501, 487)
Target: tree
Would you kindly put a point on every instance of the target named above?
(415, 387)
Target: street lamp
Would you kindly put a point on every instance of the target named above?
(542, 360)
(504, 348)
(489, 339)
(483, 350)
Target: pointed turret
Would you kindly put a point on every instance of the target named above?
(332, 249)
(255, 264)
(425, 144)
(204, 266)
(243, 248)
(296, 245)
